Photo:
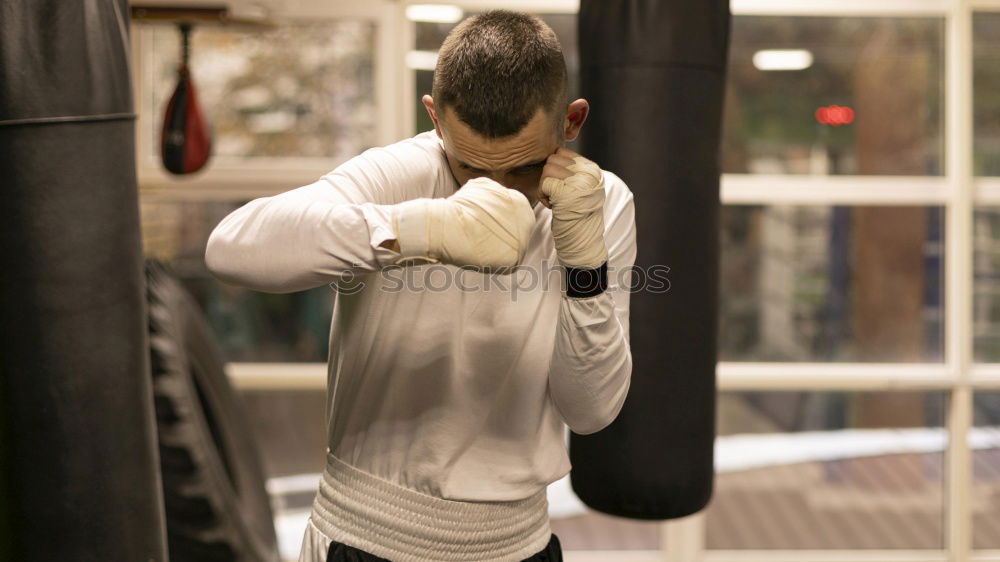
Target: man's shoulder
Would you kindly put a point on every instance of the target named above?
(412, 157)
(425, 145)
(427, 140)
(617, 192)
(619, 216)
(406, 169)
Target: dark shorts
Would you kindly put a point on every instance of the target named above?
(340, 552)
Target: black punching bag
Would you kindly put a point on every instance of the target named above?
(79, 474)
(654, 73)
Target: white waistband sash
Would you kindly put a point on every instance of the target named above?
(404, 525)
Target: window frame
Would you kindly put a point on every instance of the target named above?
(958, 192)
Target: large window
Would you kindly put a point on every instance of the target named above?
(859, 307)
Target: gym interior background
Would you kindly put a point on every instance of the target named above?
(859, 334)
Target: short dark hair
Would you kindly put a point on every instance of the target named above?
(496, 69)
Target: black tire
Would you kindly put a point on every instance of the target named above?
(217, 506)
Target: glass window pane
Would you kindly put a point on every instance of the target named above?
(828, 470)
(429, 37)
(790, 77)
(835, 284)
(250, 326)
(985, 444)
(986, 93)
(301, 89)
(290, 430)
(986, 284)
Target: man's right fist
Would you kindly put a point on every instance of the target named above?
(483, 224)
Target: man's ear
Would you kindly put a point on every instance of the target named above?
(429, 106)
(576, 114)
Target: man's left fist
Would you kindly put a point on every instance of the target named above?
(573, 187)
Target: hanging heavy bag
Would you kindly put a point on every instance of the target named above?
(186, 140)
(79, 478)
(654, 73)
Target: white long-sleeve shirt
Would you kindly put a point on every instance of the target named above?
(442, 380)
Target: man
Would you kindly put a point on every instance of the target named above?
(455, 363)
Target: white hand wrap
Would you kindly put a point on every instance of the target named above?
(483, 224)
(578, 214)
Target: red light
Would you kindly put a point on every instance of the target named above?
(835, 115)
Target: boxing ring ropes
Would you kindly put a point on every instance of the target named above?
(958, 192)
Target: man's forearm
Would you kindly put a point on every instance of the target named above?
(296, 241)
(591, 365)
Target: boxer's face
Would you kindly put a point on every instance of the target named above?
(515, 162)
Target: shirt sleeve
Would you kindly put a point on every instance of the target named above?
(314, 234)
(592, 363)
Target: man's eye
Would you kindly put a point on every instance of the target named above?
(527, 170)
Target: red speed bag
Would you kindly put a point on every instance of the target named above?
(186, 140)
